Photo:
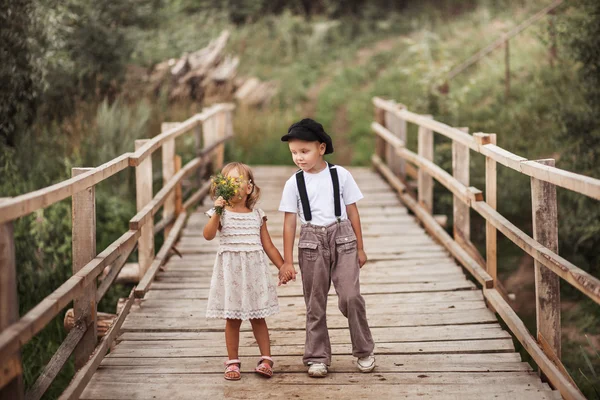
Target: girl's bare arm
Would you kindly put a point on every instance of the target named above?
(269, 247)
(212, 226)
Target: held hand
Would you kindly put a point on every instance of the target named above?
(286, 273)
(220, 202)
(362, 257)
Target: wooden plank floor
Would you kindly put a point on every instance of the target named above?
(434, 336)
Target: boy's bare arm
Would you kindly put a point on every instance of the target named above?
(354, 217)
(289, 235)
(269, 247)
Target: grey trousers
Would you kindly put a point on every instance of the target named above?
(329, 254)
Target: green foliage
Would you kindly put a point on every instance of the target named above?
(580, 133)
(19, 75)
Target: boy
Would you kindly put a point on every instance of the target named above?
(330, 248)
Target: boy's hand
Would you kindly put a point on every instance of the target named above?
(286, 273)
(362, 257)
(220, 202)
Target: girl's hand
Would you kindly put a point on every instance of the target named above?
(286, 273)
(362, 257)
(220, 202)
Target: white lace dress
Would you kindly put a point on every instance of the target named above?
(241, 286)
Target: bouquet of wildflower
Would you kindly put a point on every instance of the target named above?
(225, 187)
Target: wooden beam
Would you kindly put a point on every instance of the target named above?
(198, 196)
(56, 363)
(161, 257)
(114, 271)
(146, 214)
(163, 224)
(547, 283)
(143, 191)
(443, 177)
(39, 316)
(433, 227)
(155, 143)
(84, 251)
(425, 181)
(379, 141)
(178, 189)
(16, 207)
(491, 234)
(83, 376)
(569, 180)
(387, 136)
(461, 211)
(168, 170)
(151, 208)
(518, 328)
(584, 282)
(11, 374)
(198, 146)
(397, 127)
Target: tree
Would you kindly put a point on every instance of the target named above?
(19, 76)
(580, 133)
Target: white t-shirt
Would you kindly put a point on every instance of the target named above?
(319, 188)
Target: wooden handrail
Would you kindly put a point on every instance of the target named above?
(518, 328)
(544, 178)
(432, 226)
(83, 376)
(26, 203)
(559, 177)
(13, 208)
(144, 284)
(81, 286)
(475, 58)
(19, 333)
(584, 282)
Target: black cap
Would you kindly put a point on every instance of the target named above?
(311, 131)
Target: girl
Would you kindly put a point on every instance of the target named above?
(241, 286)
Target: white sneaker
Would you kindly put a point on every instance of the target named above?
(317, 370)
(366, 364)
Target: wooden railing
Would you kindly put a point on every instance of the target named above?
(212, 128)
(391, 158)
(503, 41)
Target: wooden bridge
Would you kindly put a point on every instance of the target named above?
(433, 301)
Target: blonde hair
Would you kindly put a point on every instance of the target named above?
(246, 172)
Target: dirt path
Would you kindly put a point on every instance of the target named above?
(361, 57)
(340, 125)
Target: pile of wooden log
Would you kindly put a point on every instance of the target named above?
(209, 76)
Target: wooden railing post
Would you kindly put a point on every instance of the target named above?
(397, 126)
(490, 198)
(198, 144)
(178, 189)
(380, 144)
(11, 372)
(547, 283)
(84, 250)
(208, 138)
(168, 170)
(461, 211)
(425, 181)
(221, 131)
(143, 191)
